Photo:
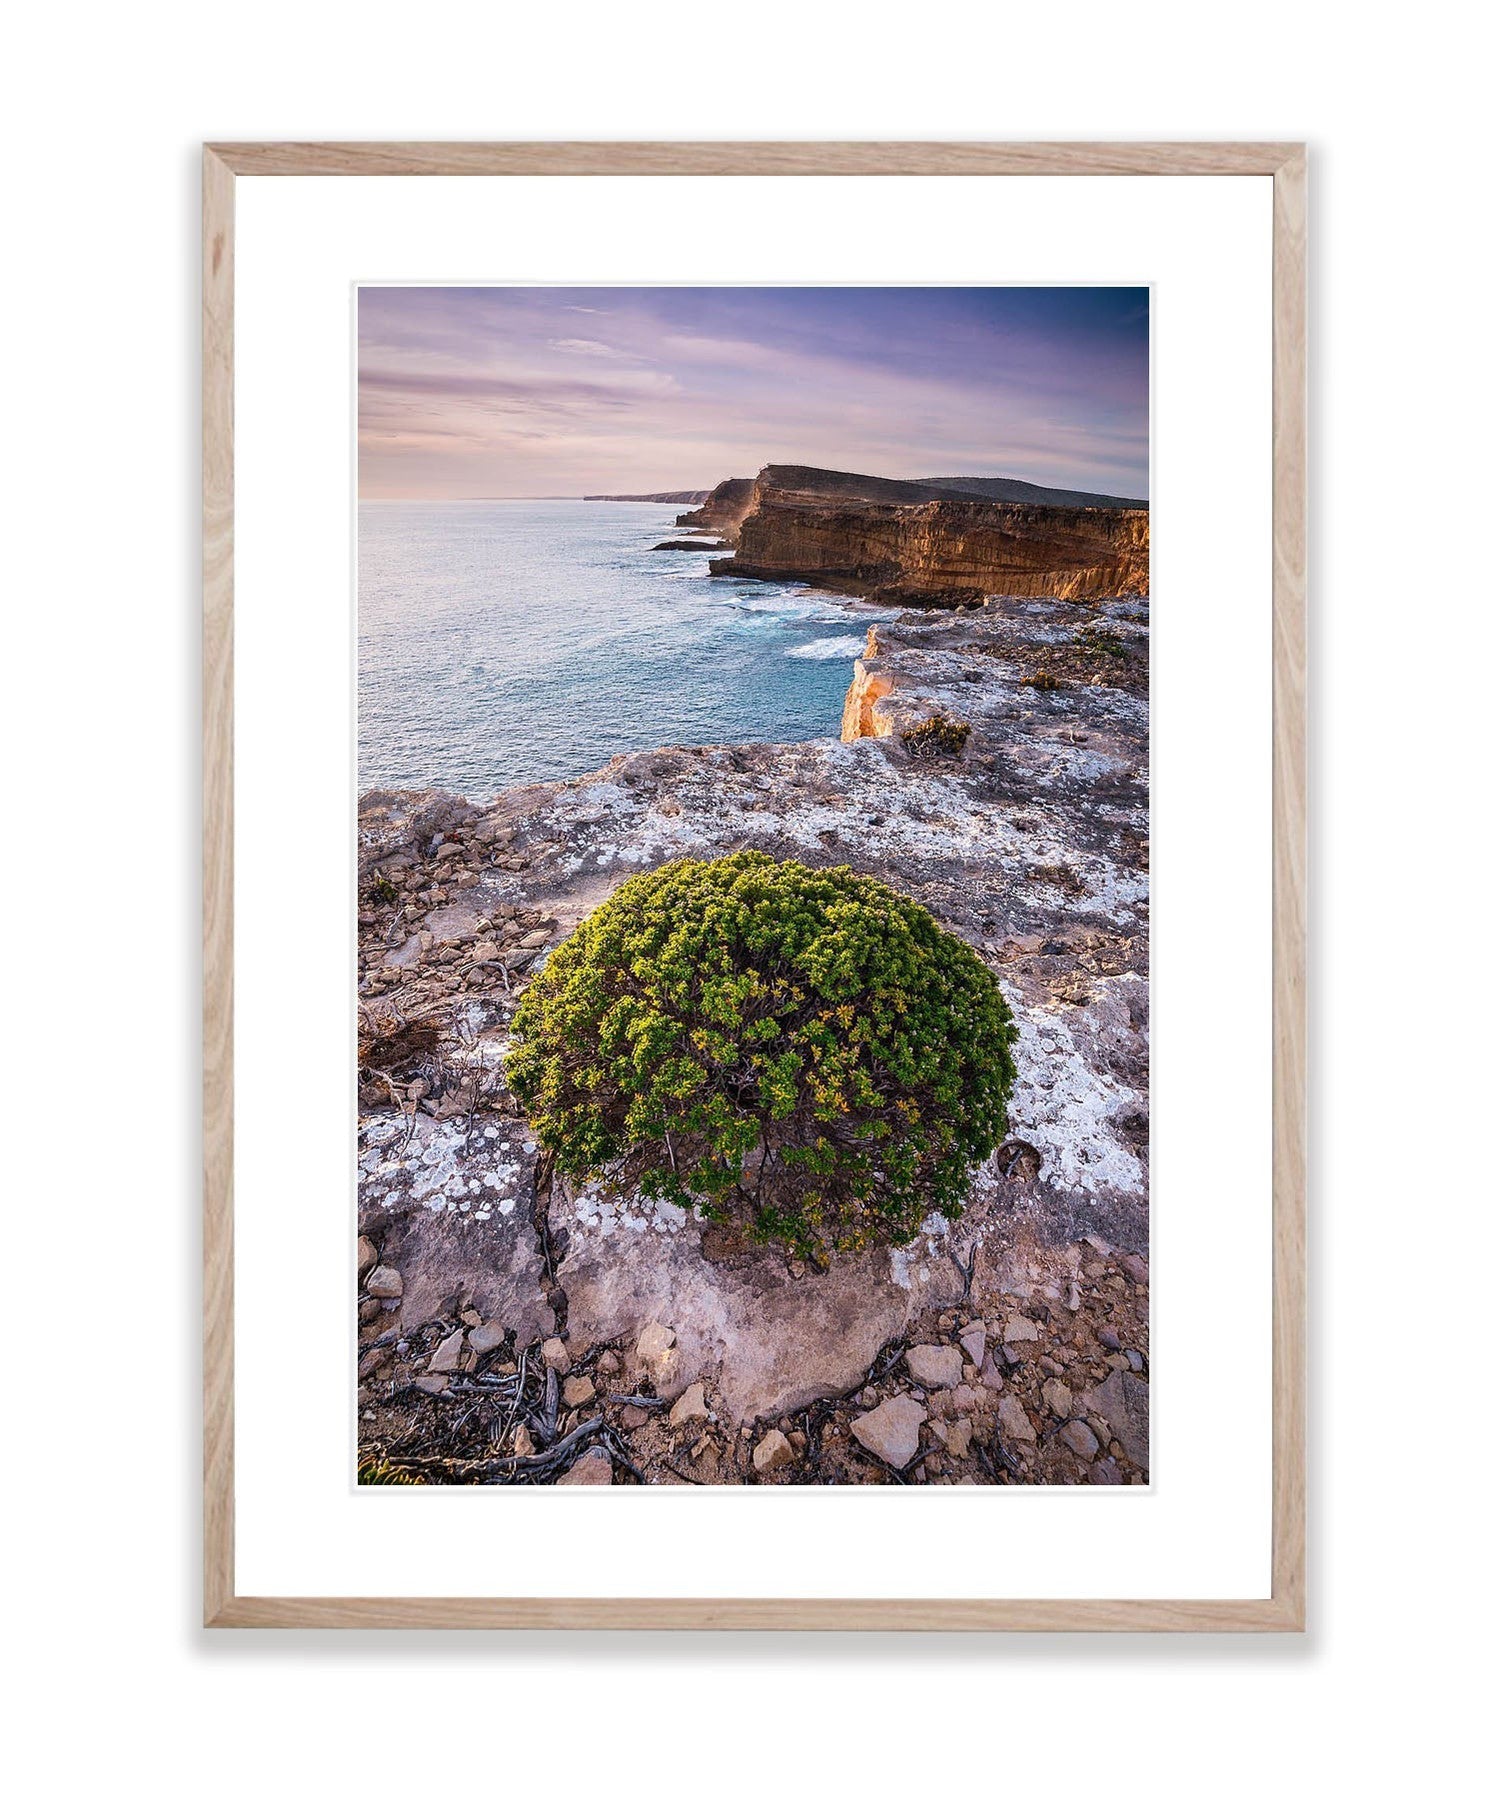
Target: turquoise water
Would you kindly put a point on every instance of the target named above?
(508, 641)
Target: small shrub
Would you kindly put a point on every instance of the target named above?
(1044, 682)
(1105, 643)
(804, 1053)
(937, 736)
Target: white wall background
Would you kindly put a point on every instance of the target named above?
(103, 110)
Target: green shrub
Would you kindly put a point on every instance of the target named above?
(938, 735)
(805, 1053)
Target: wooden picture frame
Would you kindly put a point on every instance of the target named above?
(1284, 1609)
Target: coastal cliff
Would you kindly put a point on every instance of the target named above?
(993, 767)
(891, 542)
(723, 510)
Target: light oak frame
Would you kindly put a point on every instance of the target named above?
(1285, 163)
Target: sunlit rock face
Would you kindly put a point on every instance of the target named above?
(916, 543)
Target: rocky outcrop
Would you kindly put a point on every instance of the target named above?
(1029, 839)
(723, 509)
(892, 542)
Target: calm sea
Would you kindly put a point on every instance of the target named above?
(502, 642)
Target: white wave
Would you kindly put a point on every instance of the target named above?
(824, 649)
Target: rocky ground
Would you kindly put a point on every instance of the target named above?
(512, 1328)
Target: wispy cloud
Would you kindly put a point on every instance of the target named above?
(467, 392)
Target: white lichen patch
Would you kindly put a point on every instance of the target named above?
(440, 1165)
(1067, 1103)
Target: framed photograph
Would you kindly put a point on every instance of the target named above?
(754, 886)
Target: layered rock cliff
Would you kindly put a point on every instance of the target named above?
(723, 509)
(905, 542)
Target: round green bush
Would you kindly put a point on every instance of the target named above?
(804, 1052)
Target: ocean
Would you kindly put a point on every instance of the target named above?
(508, 641)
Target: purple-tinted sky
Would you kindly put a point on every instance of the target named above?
(466, 393)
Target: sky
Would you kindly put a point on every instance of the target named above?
(522, 392)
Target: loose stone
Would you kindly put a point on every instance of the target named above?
(892, 1431)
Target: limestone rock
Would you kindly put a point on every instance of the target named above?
(690, 1408)
(892, 1431)
(975, 1340)
(486, 1338)
(445, 1356)
(1079, 1439)
(577, 1390)
(1058, 1396)
(1123, 1403)
(385, 1283)
(592, 1469)
(958, 1437)
(773, 1451)
(1014, 1421)
(1020, 1330)
(934, 1364)
(554, 1355)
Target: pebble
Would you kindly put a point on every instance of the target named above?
(975, 1340)
(1079, 1439)
(1058, 1396)
(772, 1452)
(445, 1356)
(633, 1416)
(1135, 1267)
(577, 1390)
(1109, 1338)
(958, 1437)
(591, 1470)
(892, 1431)
(1012, 1417)
(934, 1364)
(486, 1338)
(1021, 1330)
(523, 1442)
(385, 1283)
(554, 1354)
(431, 1383)
(609, 1363)
(368, 1256)
(690, 1408)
